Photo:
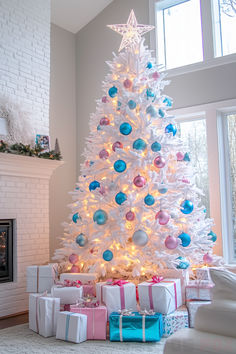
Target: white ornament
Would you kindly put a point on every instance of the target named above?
(140, 238)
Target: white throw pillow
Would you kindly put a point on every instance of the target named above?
(225, 284)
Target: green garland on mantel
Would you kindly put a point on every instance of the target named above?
(27, 150)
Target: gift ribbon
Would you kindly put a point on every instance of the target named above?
(121, 284)
(157, 280)
(123, 312)
(198, 284)
(145, 313)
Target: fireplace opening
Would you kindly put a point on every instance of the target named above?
(6, 251)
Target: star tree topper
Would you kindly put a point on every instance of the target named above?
(131, 31)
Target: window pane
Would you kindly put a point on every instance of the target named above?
(231, 130)
(183, 34)
(228, 28)
(193, 134)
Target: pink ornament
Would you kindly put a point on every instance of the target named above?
(102, 190)
(104, 121)
(87, 163)
(184, 180)
(103, 154)
(74, 269)
(179, 156)
(207, 258)
(139, 181)
(159, 162)
(127, 83)
(171, 242)
(163, 217)
(155, 75)
(73, 258)
(104, 99)
(117, 145)
(130, 216)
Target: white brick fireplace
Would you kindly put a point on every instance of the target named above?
(24, 197)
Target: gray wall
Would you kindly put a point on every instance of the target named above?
(62, 126)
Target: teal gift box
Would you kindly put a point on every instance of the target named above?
(135, 327)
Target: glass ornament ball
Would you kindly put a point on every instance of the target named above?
(140, 238)
(120, 198)
(107, 255)
(159, 162)
(163, 190)
(74, 269)
(127, 84)
(207, 258)
(186, 157)
(156, 75)
(100, 217)
(112, 91)
(93, 185)
(139, 144)
(103, 154)
(117, 145)
(99, 127)
(156, 146)
(81, 240)
(161, 113)
(139, 181)
(186, 207)
(130, 216)
(120, 166)
(149, 200)
(150, 93)
(149, 65)
(132, 104)
(183, 263)
(75, 218)
(104, 121)
(152, 111)
(125, 128)
(163, 217)
(73, 258)
(213, 236)
(167, 101)
(185, 239)
(171, 128)
(104, 99)
(171, 242)
(180, 156)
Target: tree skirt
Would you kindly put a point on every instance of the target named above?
(20, 339)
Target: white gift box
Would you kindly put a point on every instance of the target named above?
(117, 297)
(83, 277)
(67, 294)
(175, 321)
(164, 296)
(203, 273)
(72, 327)
(43, 312)
(199, 290)
(192, 307)
(41, 278)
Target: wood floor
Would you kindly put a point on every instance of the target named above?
(13, 321)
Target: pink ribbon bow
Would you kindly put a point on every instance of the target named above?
(119, 282)
(156, 279)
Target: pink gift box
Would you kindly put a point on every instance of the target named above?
(96, 322)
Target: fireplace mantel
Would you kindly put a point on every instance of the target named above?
(27, 166)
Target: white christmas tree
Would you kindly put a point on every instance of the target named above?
(135, 208)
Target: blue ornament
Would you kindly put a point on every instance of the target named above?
(163, 190)
(77, 188)
(99, 127)
(93, 185)
(91, 163)
(139, 144)
(76, 217)
(185, 238)
(107, 255)
(204, 211)
(156, 146)
(149, 200)
(187, 207)
(125, 128)
(120, 198)
(120, 166)
(150, 93)
(171, 128)
(81, 240)
(132, 104)
(186, 157)
(112, 91)
(152, 111)
(213, 237)
(118, 105)
(161, 113)
(167, 102)
(100, 217)
(183, 264)
(149, 65)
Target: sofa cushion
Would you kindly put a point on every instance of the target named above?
(225, 284)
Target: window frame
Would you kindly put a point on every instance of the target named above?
(208, 37)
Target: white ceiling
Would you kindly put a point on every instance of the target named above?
(72, 15)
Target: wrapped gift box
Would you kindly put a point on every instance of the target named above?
(67, 294)
(43, 312)
(199, 290)
(71, 327)
(135, 327)
(118, 295)
(83, 277)
(96, 320)
(89, 290)
(203, 274)
(175, 321)
(160, 295)
(41, 278)
(192, 307)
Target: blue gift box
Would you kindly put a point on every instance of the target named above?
(135, 327)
